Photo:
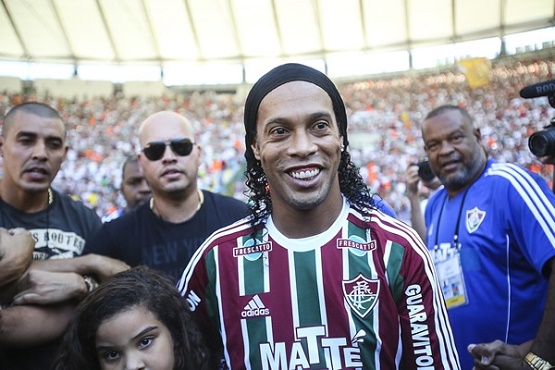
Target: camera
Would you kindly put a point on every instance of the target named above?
(542, 143)
(425, 171)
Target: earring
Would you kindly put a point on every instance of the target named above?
(342, 147)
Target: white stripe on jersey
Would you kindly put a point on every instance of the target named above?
(509, 288)
(320, 281)
(246, 347)
(241, 276)
(531, 193)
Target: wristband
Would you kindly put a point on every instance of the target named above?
(90, 283)
(536, 362)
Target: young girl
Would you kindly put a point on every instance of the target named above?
(136, 319)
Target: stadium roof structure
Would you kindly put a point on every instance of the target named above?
(199, 42)
(161, 31)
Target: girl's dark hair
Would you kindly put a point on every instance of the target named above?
(350, 181)
(137, 287)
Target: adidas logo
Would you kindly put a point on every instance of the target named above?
(255, 308)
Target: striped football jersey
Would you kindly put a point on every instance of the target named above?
(361, 295)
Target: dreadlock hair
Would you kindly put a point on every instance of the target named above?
(350, 181)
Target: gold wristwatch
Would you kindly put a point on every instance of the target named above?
(537, 363)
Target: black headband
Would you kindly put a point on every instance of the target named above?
(281, 75)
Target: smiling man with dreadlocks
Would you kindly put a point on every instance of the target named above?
(317, 276)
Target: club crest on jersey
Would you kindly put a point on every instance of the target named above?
(361, 294)
(474, 218)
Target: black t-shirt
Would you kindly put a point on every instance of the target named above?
(142, 238)
(60, 231)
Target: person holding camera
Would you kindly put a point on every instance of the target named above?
(417, 174)
(492, 236)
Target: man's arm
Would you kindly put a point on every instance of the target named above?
(22, 326)
(416, 215)
(54, 281)
(16, 254)
(91, 264)
(44, 287)
(544, 342)
(490, 356)
(511, 357)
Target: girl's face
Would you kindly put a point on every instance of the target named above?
(134, 339)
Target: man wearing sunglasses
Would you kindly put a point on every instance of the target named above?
(166, 231)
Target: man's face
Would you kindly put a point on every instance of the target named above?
(299, 146)
(453, 148)
(134, 187)
(171, 173)
(33, 149)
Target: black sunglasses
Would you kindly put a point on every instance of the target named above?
(156, 149)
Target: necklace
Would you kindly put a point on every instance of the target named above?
(50, 200)
(200, 202)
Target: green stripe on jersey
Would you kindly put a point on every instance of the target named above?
(356, 231)
(254, 275)
(253, 267)
(393, 266)
(257, 333)
(307, 290)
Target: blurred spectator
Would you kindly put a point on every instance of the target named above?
(385, 117)
(134, 188)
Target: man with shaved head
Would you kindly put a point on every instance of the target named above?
(166, 231)
(37, 305)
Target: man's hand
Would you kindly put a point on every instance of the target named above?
(95, 265)
(45, 287)
(498, 355)
(31, 325)
(546, 160)
(16, 254)
(412, 179)
(102, 266)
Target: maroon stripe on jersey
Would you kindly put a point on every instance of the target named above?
(279, 301)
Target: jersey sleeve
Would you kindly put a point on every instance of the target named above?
(425, 328)
(530, 215)
(198, 288)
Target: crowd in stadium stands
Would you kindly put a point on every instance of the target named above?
(385, 118)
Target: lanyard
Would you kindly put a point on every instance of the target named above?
(457, 227)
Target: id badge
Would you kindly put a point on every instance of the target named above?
(447, 262)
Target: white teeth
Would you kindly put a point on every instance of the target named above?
(305, 174)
